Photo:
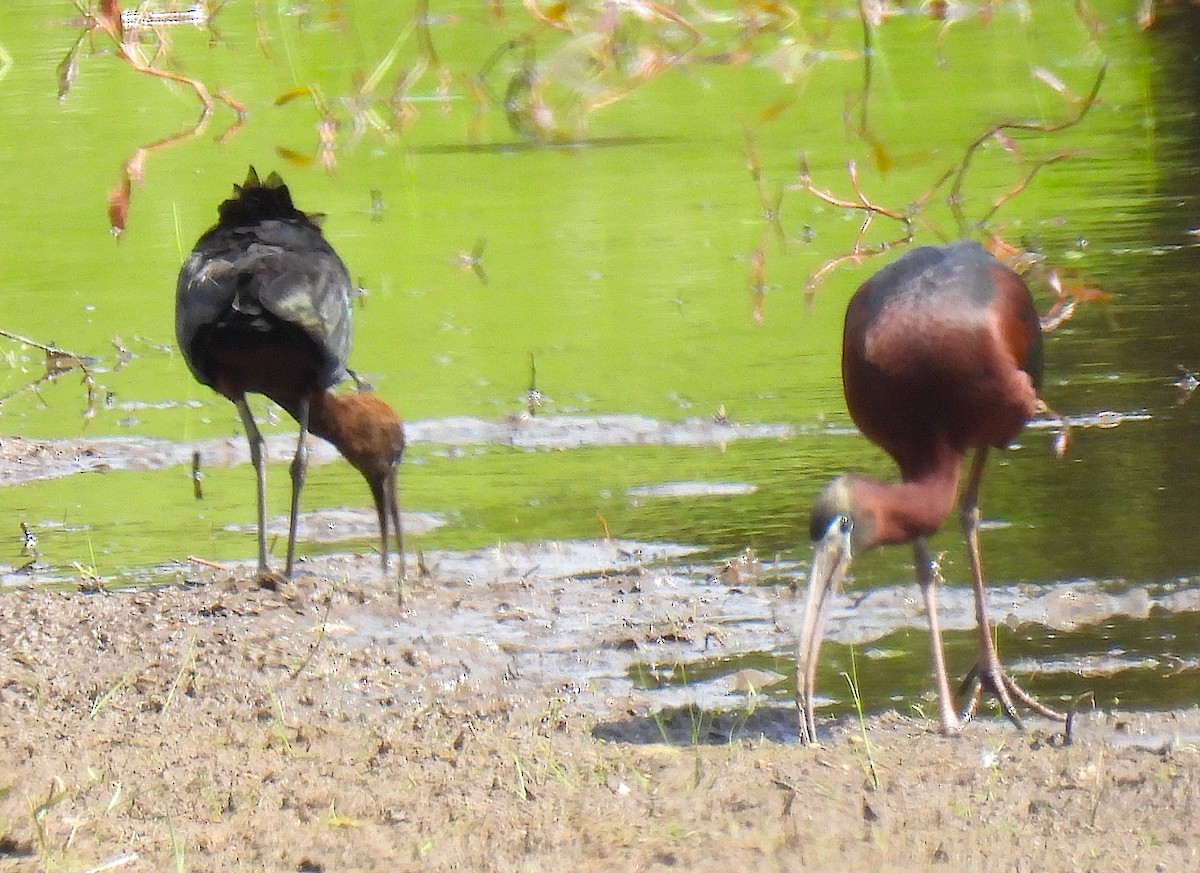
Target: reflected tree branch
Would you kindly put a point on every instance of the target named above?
(955, 177)
(870, 210)
(1023, 184)
(959, 173)
(125, 29)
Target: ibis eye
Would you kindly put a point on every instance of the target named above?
(845, 524)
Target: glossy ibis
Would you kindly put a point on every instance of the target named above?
(262, 306)
(941, 353)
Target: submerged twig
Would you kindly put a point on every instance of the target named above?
(58, 363)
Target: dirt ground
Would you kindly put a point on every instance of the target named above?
(318, 726)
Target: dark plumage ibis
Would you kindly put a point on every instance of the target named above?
(941, 354)
(262, 307)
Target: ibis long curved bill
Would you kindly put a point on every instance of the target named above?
(831, 557)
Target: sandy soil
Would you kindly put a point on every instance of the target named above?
(318, 726)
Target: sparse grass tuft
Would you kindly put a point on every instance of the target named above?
(90, 580)
(335, 819)
(188, 665)
(852, 681)
(57, 794)
(279, 726)
(521, 789)
(312, 650)
(103, 700)
(178, 846)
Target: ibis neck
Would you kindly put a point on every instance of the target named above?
(364, 428)
(325, 420)
(914, 507)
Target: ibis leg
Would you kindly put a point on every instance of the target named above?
(260, 471)
(988, 674)
(299, 470)
(394, 511)
(927, 576)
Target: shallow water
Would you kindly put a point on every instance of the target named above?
(620, 264)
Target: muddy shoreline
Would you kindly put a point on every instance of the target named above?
(316, 725)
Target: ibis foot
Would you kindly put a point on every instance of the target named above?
(270, 580)
(993, 679)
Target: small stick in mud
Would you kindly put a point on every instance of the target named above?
(58, 362)
(197, 476)
(1068, 734)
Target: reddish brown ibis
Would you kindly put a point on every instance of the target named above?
(941, 353)
(262, 306)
